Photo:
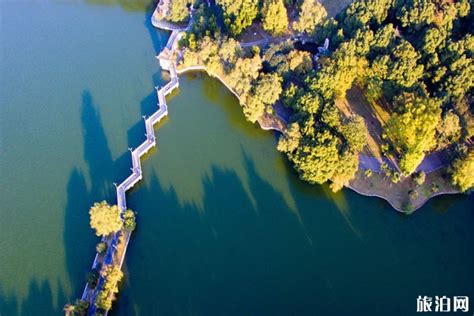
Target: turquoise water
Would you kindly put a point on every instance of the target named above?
(224, 225)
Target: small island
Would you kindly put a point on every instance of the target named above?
(376, 97)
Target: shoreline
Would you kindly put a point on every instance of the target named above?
(399, 210)
(352, 186)
(270, 123)
(263, 125)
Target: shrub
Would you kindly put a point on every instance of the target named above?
(412, 194)
(255, 50)
(129, 222)
(407, 207)
(419, 177)
(434, 187)
(92, 278)
(103, 301)
(101, 247)
(395, 177)
(81, 307)
(462, 170)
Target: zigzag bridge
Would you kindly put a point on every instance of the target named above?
(167, 62)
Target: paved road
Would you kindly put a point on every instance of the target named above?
(431, 162)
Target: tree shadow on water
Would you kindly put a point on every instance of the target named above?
(39, 301)
(225, 260)
(102, 171)
(79, 239)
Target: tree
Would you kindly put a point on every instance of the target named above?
(276, 58)
(355, 132)
(299, 61)
(383, 38)
(264, 93)
(103, 301)
(416, 13)
(105, 219)
(419, 177)
(79, 308)
(238, 14)
(348, 166)
(433, 38)
(275, 18)
(339, 73)
(178, 10)
(92, 278)
(101, 247)
(403, 67)
(312, 13)
(229, 51)
(129, 222)
(458, 59)
(112, 276)
(462, 171)
(317, 159)
(412, 128)
(290, 140)
(363, 13)
(449, 131)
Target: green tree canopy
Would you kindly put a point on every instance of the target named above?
(355, 132)
(348, 165)
(317, 159)
(105, 219)
(275, 18)
(238, 14)
(412, 128)
(264, 93)
(178, 10)
(300, 62)
(112, 276)
(449, 130)
(312, 13)
(129, 222)
(290, 140)
(462, 171)
(403, 67)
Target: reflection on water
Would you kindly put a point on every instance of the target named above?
(211, 131)
(228, 225)
(75, 78)
(225, 226)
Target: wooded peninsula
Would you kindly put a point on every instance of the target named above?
(376, 96)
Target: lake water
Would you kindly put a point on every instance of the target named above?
(224, 225)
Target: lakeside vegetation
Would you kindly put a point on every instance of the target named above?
(413, 58)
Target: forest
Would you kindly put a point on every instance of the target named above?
(413, 57)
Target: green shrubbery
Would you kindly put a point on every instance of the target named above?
(112, 276)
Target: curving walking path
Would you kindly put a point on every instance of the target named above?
(168, 63)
